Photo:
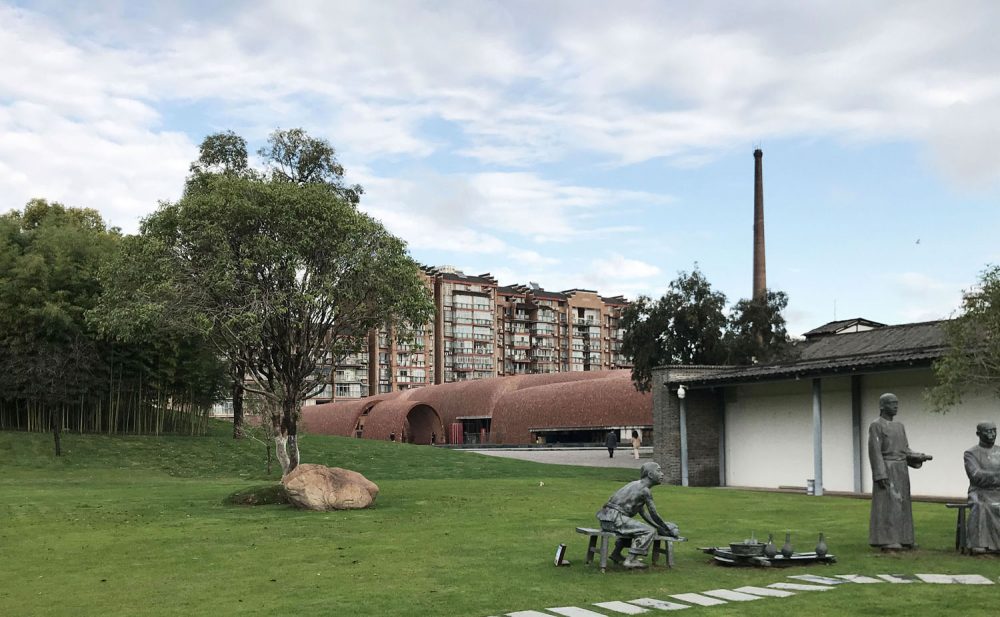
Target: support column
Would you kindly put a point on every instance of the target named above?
(721, 399)
(817, 436)
(856, 430)
(684, 436)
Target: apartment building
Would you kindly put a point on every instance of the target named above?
(482, 329)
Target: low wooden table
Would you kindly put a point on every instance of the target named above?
(662, 545)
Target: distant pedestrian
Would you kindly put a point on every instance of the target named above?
(433, 438)
(636, 442)
(392, 436)
(611, 441)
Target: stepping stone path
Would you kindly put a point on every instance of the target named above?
(715, 597)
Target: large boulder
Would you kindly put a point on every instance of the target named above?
(318, 487)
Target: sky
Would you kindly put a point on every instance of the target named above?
(576, 144)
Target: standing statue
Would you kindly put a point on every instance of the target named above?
(891, 526)
(982, 465)
(636, 498)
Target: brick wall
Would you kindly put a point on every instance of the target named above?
(704, 424)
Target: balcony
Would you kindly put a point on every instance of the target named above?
(410, 379)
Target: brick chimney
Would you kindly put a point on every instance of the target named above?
(759, 265)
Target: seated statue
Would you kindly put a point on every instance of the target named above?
(982, 465)
(635, 498)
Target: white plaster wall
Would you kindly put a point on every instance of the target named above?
(946, 436)
(769, 435)
(838, 447)
(768, 438)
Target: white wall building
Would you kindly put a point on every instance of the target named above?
(780, 425)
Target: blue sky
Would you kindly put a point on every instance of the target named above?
(574, 144)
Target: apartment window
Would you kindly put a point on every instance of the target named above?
(348, 391)
(324, 391)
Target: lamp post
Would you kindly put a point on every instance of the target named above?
(681, 396)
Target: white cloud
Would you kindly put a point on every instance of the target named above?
(618, 266)
(924, 298)
(82, 106)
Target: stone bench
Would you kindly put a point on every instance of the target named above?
(959, 525)
(662, 545)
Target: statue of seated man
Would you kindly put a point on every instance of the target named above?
(982, 465)
(635, 498)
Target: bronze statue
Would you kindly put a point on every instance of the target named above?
(636, 498)
(982, 465)
(891, 525)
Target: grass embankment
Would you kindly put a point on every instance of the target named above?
(137, 526)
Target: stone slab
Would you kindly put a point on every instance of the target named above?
(662, 605)
(732, 596)
(622, 607)
(899, 578)
(700, 600)
(858, 578)
(938, 579)
(574, 611)
(764, 591)
(799, 587)
(955, 579)
(815, 578)
(528, 614)
(972, 579)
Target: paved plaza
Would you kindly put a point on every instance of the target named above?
(585, 457)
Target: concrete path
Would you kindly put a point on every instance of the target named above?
(585, 457)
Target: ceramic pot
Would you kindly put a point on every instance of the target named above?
(786, 548)
(821, 548)
(770, 550)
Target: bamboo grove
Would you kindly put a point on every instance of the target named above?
(59, 368)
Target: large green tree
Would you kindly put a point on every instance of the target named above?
(56, 370)
(280, 270)
(756, 329)
(688, 325)
(49, 256)
(972, 362)
(685, 326)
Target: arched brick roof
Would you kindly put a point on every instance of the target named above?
(588, 399)
(338, 418)
(608, 400)
(389, 416)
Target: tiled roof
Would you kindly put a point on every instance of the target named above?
(836, 326)
(916, 344)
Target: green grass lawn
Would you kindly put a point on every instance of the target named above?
(137, 526)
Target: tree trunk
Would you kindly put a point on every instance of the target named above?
(56, 431)
(280, 441)
(293, 451)
(289, 427)
(237, 410)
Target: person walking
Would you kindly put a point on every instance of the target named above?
(636, 443)
(611, 441)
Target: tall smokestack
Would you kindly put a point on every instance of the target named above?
(759, 265)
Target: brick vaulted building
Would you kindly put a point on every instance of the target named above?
(572, 406)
